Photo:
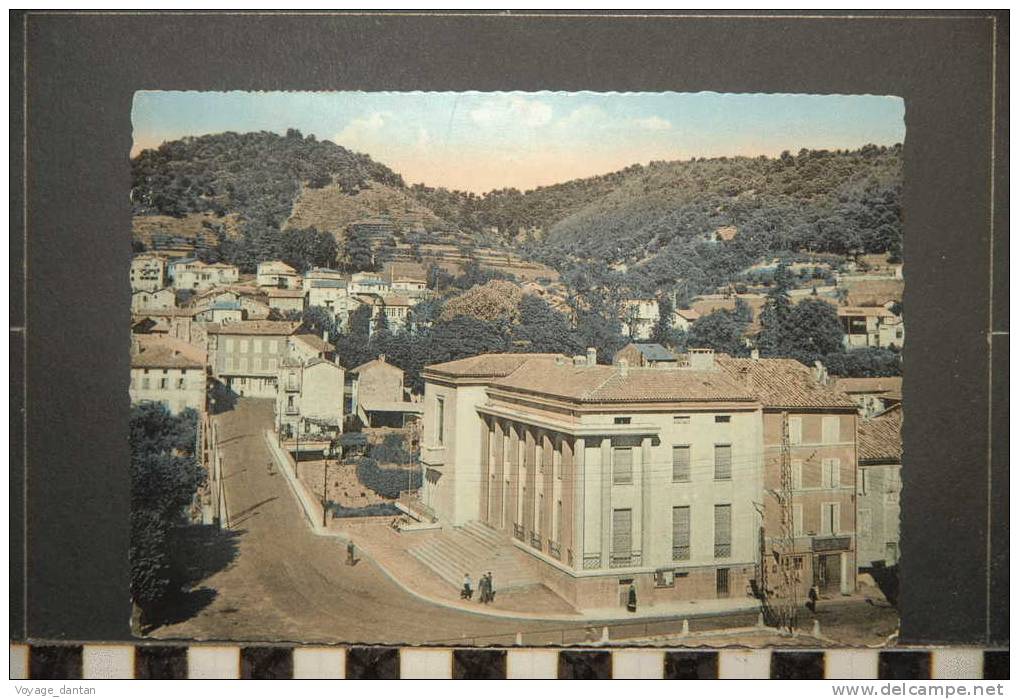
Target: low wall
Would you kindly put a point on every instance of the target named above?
(340, 523)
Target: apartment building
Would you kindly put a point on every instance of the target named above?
(148, 273)
(878, 489)
(871, 326)
(168, 371)
(246, 355)
(195, 275)
(277, 274)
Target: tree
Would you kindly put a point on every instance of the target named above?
(493, 301)
(813, 331)
(544, 329)
(721, 330)
(319, 320)
(359, 253)
(663, 333)
(775, 314)
(864, 362)
(598, 326)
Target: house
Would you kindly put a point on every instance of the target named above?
(408, 286)
(872, 394)
(156, 300)
(683, 318)
(604, 475)
(810, 434)
(646, 354)
(195, 275)
(323, 274)
(367, 283)
(277, 274)
(878, 489)
(246, 356)
(305, 346)
(168, 371)
(639, 317)
(377, 395)
(309, 401)
(221, 312)
(148, 272)
(286, 300)
(870, 326)
(330, 294)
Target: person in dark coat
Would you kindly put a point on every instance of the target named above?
(467, 592)
(483, 589)
(490, 588)
(812, 598)
(631, 599)
(350, 553)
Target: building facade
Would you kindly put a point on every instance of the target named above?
(168, 371)
(157, 300)
(309, 399)
(605, 475)
(148, 273)
(871, 326)
(195, 275)
(279, 275)
(879, 488)
(246, 356)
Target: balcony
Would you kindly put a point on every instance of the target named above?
(723, 550)
(554, 551)
(624, 560)
(536, 541)
(292, 387)
(680, 553)
(592, 561)
(291, 410)
(518, 532)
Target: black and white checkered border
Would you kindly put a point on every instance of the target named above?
(65, 661)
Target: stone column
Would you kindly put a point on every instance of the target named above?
(606, 500)
(576, 484)
(646, 480)
(484, 492)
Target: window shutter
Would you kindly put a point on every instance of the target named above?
(723, 531)
(797, 520)
(680, 533)
(836, 524)
(622, 465)
(681, 464)
(795, 430)
(621, 532)
(825, 518)
(797, 474)
(836, 476)
(723, 462)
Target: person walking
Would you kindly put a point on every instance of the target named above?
(631, 599)
(483, 589)
(350, 553)
(812, 598)
(467, 592)
(490, 588)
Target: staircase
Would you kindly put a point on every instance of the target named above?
(475, 548)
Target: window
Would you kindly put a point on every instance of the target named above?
(722, 419)
(797, 520)
(722, 582)
(681, 464)
(622, 465)
(723, 462)
(440, 420)
(145, 383)
(680, 533)
(830, 476)
(163, 383)
(830, 518)
(244, 346)
(681, 419)
(795, 430)
(180, 383)
(797, 468)
(723, 531)
(830, 429)
(665, 578)
(621, 421)
(622, 535)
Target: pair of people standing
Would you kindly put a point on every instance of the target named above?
(486, 593)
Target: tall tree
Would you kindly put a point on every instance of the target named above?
(544, 329)
(721, 330)
(775, 314)
(663, 333)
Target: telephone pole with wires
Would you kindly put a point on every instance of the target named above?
(787, 588)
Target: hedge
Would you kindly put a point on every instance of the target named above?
(384, 508)
(387, 482)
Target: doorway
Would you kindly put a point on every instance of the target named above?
(829, 572)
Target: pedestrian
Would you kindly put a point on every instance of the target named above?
(269, 468)
(812, 598)
(490, 588)
(350, 553)
(466, 592)
(483, 589)
(631, 599)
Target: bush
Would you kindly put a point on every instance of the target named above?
(391, 450)
(386, 482)
(377, 510)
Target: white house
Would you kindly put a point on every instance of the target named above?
(148, 272)
(168, 371)
(195, 275)
(158, 300)
(280, 275)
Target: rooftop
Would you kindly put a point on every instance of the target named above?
(654, 352)
(877, 311)
(879, 439)
(284, 293)
(783, 383)
(253, 327)
(314, 341)
(889, 386)
(485, 365)
(378, 362)
(156, 352)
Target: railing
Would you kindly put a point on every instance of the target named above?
(624, 560)
(518, 532)
(680, 553)
(554, 551)
(592, 561)
(723, 550)
(536, 541)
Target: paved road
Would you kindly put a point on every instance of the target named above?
(289, 584)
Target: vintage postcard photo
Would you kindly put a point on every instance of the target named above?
(513, 368)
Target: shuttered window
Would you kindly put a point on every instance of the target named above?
(830, 429)
(797, 465)
(830, 523)
(797, 520)
(622, 521)
(622, 465)
(680, 533)
(681, 464)
(723, 462)
(795, 430)
(723, 531)
(830, 476)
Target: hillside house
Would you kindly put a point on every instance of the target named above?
(221, 312)
(646, 354)
(367, 283)
(639, 317)
(167, 371)
(278, 275)
(148, 273)
(873, 395)
(158, 300)
(194, 275)
(305, 346)
(870, 326)
(879, 488)
(286, 300)
(684, 318)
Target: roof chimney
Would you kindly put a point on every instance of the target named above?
(755, 354)
(579, 360)
(701, 359)
(382, 357)
(592, 356)
(624, 368)
(820, 373)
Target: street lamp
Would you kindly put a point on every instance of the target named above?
(330, 451)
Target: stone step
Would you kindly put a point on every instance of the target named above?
(439, 566)
(484, 534)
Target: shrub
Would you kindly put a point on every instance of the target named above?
(391, 450)
(386, 482)
(379, 509)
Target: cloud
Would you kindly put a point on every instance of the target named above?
(529, 112)
(362, 129)
(654, 123)
(583, 116)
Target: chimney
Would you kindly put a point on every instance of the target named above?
(592, 356)
(820, 373)
(624, 368)
(325, 336)
(701, 359)
(755, 354)
(382, 357)
(579, 360)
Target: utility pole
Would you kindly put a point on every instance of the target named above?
(788, 541)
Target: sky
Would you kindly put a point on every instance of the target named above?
(479, 141)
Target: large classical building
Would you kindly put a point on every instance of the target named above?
(605, 475)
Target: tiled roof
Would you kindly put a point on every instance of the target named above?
(328, 284)
(607, 384)
(783, 383)
(485, 365)
(285, 293)
(878, 311)
(253, 327)
(165, 353)
(880, 438)
(275, 266)
(373, 364)
(314, 341)
(890, 386)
